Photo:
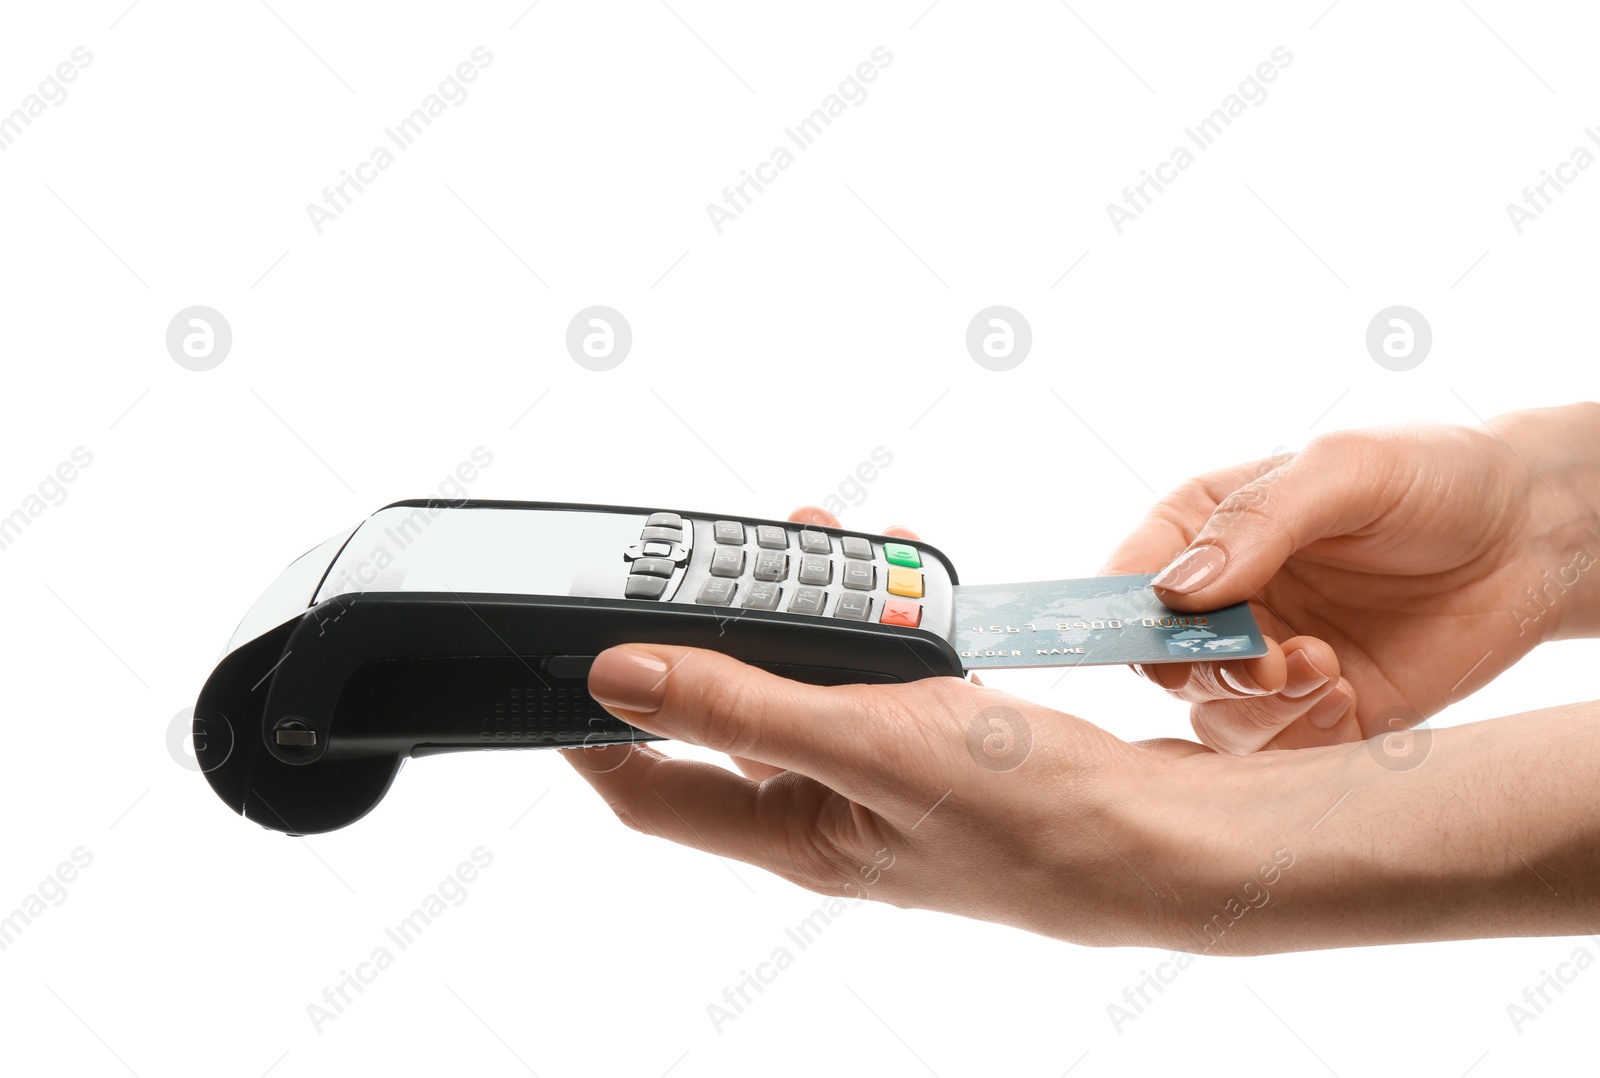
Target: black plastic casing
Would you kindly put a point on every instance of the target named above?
(376, 677)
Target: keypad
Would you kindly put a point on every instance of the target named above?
(751, 566)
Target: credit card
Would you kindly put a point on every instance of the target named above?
(1097, 621)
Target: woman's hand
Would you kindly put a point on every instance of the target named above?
(1400, 568)
(938, 794)
(944, 795)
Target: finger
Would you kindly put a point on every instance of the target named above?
(755, 769)
(1245, 726)
(844, 736)
(812, 514)
(1292, 669)
(790, 825)
(1234, 721)
(1330, 722)
(1172, 748)
(1237, 679)
(1170, 676)
(1197, 682)
(1174, 521)
(1333, 490)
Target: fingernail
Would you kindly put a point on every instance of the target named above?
(1304, 676)
(1330, 709)
(810, 514)
(1191, 569)
(1241, 682)
(628, 678)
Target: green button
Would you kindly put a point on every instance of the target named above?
(901, 554)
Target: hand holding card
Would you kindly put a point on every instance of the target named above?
(1396, 570)
(1093, 622)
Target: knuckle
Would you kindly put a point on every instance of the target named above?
(1254, 497)
(730, 719)
(816, 864)
(832, 857)
(1362, 456)
(630, 819)
(940, 692)
(1184, 505)
(1239, 725)
(1222, 681)
(1337, 443)
(1202, 685)
(1255, 507)
(1264, 715)
(881, 709)
(922, 720)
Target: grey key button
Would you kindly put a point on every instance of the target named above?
(645, 587)
(671, 535)
(663, 520)
(808, 601)
(860, 575)
(852, 607)
(656, 548)
(762, 596)
(653, 567)
(771, 565)
(815, 542)
(716, 592)
(856, 547)
(815, 569)
(728, 531)
(728, 561)
(771, 536)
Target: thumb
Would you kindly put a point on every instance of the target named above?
(845, 736)
(1254, 530)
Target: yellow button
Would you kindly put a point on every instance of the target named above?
(907, 582)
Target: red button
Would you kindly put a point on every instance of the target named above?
(899, 612)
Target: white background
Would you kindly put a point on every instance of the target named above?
(768, 361)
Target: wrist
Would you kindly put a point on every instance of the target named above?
(1338, 846)
(1419, 836)
(1558, 452)
(1230, 834)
